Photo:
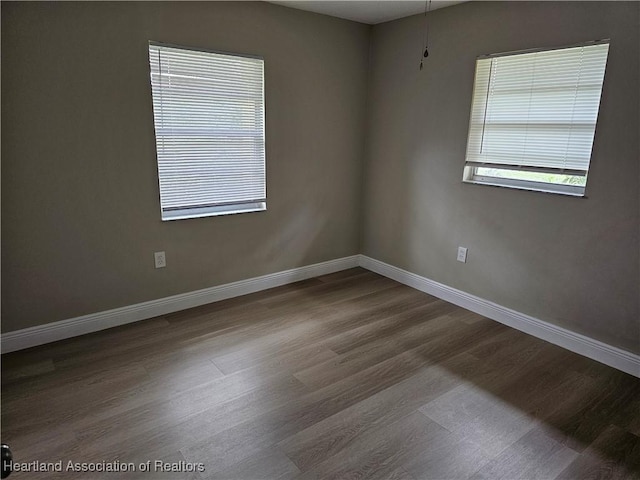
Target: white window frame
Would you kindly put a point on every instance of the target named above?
(475, 171)
(211, 154)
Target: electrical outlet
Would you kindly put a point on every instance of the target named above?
(161, 259)
(462, 254)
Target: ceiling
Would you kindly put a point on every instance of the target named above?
(370, 12)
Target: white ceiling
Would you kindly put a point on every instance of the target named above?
(370, 12)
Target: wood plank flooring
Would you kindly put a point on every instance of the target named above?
(350, 375)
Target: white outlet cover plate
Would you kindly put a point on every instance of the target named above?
(160, 259)
(462, 254)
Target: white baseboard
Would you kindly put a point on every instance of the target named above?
(588, 347)
(51, 332)
(583, 345)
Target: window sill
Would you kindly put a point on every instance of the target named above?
(201, 212)
(566, 190)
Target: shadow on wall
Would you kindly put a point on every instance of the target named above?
(296, 239)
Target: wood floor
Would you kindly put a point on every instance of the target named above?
(350, 375)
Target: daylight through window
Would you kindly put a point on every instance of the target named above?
(533, 118)
(209, 125)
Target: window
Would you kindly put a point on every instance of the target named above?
(208, 111)
(533, 118)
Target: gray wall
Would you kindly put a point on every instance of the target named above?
(570, 261)
(80, 207)
(80, 202)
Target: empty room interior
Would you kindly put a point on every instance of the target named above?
(328, 240)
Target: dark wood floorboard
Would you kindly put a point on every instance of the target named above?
(348, 375)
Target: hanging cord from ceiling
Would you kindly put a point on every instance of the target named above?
(425, 40)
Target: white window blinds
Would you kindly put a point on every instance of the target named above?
(209, 124)
(537, 111)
